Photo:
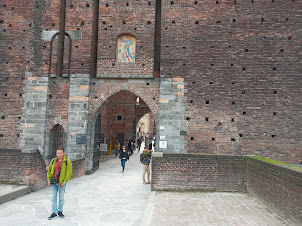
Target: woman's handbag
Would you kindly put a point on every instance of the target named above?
(56, 180)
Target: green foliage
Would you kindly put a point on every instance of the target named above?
(278, 163)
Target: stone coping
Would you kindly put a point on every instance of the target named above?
(10, 150)
(77, 159)
(162, 154)
(12, 191)
(125, 76)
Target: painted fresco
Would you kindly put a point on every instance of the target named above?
(126, 49)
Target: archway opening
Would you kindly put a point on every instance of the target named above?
(145, 130)
(119, 118)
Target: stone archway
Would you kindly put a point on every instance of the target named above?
(119, 113)
(139, 92)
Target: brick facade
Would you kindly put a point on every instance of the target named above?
(30, 169)
(241, 63)
(229, 78)
(133, 17)
(23, 168)
(79, 168)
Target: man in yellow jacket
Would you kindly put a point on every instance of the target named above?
(59, 173)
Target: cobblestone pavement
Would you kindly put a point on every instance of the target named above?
(174, 208)
(107, 197)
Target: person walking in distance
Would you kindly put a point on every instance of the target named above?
(58, 174)
(117, 147)
(150, 145)
(139, 142)
(145, 159)
(129, 148)
(124, 157)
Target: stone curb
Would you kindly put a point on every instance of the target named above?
(146, 218)
(15, 193)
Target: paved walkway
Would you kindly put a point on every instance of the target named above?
(109, 197)
(215, 209)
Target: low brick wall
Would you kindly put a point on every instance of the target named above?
(198, 172)
(10, 170)
(278, 187)
(78, 167)
(22, 168)
(30, 169)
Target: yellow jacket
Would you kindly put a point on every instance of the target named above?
(66, 170)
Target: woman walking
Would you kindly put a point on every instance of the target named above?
(124, 157)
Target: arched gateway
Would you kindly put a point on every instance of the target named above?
(113, 117)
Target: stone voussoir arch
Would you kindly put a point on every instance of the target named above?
(146, 97)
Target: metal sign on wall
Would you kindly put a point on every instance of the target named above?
(103, 147)
(163, 144)
(81, 138)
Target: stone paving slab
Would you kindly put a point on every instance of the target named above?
(197, 208)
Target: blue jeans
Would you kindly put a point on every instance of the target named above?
(116, 152)
(55, 188)
(123, 162)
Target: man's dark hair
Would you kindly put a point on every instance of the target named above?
(60, 148)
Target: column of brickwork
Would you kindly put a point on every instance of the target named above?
(33, 122)
(77, 114)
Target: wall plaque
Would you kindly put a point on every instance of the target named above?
(81, 138)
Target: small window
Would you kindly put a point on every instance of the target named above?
(119, 117)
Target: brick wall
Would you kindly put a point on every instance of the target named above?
(136, 18)
(58, 99)
(241, 73)
(29, 168)
(78, 168)
(10, 166)
(15, 58)
(23, 168)
(278, 187)
(198, 172)
(241, 63)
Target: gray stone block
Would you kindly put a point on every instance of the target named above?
(74, 34)
(28, 74)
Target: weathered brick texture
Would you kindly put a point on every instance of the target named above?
(78, 168)
(133, 17)
(278, 187)
(23, 168)
(30, 169)
(240, 62)
(198, 172)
